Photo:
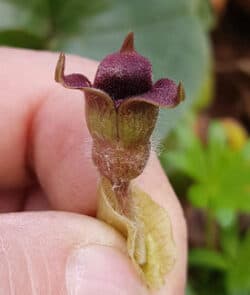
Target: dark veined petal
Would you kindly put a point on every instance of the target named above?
(75, 81)
(136, 122)
(164, 93)
(100, 114)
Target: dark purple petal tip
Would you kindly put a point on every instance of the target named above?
(125, 73)
(128, 43)
(164, 93)
(75, 81)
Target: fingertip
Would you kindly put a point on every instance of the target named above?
(91, 269)
(36, 248)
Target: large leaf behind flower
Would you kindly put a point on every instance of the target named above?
(170, 32)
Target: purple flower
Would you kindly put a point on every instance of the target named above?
(123, 102)
(125, 75)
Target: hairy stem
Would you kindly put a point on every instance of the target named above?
(121, 190)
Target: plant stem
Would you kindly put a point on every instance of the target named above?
(121, 190)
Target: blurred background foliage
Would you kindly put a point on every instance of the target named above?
(205, 148)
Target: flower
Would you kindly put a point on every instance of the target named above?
(122, 106)
(121, 111)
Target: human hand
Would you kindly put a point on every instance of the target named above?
(45, 164)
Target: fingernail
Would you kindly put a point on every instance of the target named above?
(99, 270)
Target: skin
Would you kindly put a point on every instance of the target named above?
(49, 243)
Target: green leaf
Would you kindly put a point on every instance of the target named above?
(230, 240)
(190, 290)
(220, 174)
(206, 94)
(17, 38)
(208, 259)
(168, 32)
(198, 197)
(20, 16)
(226, 217)
(246, 152)
(203, 9)
(238, 278)
(191, 160)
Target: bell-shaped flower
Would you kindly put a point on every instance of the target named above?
(123, 102)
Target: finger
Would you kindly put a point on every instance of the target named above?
(63, 253)
(28, 92)
(36, 200)
(61, 152)
(27, 80)
(155, 183)
(10, 200)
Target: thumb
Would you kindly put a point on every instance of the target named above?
(63, 253)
